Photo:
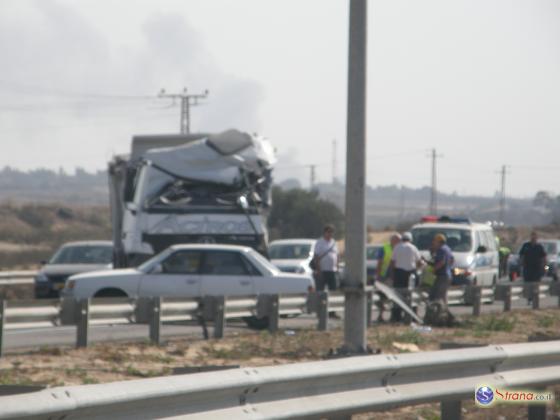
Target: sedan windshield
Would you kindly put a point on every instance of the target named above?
(83, 254)
(289, 251)
(459, 240)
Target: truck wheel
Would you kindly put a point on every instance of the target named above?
(256, 323)
(110, 293)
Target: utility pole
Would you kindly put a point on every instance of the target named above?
(355, 324)
(334, 161)
(433, 196)
(503, 172)
(312, 176)
(187, 100)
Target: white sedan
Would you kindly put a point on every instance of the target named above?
(192, 271)
(292, 255)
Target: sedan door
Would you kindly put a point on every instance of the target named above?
(225, 273)
(177, 275)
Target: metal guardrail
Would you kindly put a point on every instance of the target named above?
(18, 314)
(325, 389)
(9, 278)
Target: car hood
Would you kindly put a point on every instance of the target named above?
(123, 272)
(69, 269)
(288, 262)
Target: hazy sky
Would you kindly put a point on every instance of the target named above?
(479, 80)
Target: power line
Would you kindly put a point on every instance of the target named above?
(187, 100)
(24, 89)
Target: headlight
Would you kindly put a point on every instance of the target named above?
(41, 278)
(300, 269)
(461, 272)
(70, 284)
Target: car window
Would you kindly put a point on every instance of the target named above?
(549, 247)
(491, 241)
(83, 254)
(289, 251)
(182, 262)
(372, 252)
(459, 240)
(224, 263)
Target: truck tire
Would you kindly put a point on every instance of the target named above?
(256, 323)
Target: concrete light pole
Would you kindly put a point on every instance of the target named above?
(355, 324)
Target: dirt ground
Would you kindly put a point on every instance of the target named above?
(113, 362)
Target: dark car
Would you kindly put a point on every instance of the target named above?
(552, 249)
(72, 258)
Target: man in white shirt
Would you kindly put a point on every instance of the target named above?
(405, 261)
(325, 256)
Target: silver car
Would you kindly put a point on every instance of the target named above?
(72, 258)
(292, 255)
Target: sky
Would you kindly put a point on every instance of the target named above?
(475, 79)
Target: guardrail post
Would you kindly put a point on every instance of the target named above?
(451, 410)
(322, 311)
(82, 323)
(219, 316)
(214, 309)
(69, 311)
(507, 298)
(268, 306)
(369, 307)
(537, 411)
(536, 295)
(142, 310)
(2, 321)
(407, 297)
(155, 320)
(477, 300)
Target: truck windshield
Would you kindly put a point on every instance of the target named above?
(459, 240)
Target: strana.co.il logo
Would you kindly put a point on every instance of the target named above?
(484, 395)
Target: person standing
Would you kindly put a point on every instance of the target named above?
(384, 256)
(532, 258)
(325, 260)
(442, 263)
(405, 261)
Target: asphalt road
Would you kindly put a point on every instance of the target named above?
(25, 339)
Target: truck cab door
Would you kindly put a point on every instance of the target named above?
(176, 276)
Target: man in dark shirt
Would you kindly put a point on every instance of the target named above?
(532, 258)
(442, 263)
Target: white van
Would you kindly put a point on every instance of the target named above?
(473, 244)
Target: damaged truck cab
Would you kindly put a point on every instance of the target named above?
(196, 188)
